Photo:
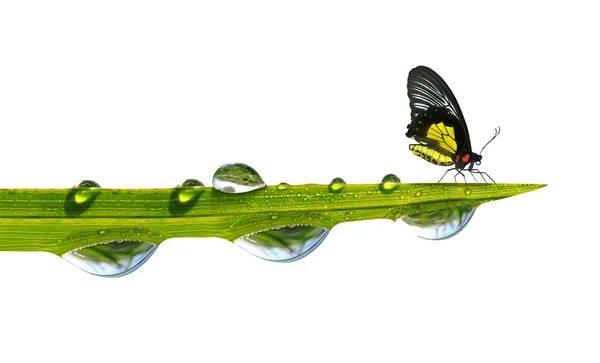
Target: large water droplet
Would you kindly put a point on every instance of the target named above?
(441, 224)
(81, 197)
(389, 183)
(283, 244)
(184, 196)
(337, 185)
(237, 178)
(112, 259)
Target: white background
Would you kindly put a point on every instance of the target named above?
(146, 94)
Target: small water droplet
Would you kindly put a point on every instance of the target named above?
(283, 186)
(237, 178)
(418, 193)
(86, 191)
(273, 217)
(111, 259)
(188, 190)
(468, 191)
(336, 185)
(81, 197)
(283, 244)
(389, 183)
(441, 224)
(190, 183)
(184, 196)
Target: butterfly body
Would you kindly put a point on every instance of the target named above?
(437, 123)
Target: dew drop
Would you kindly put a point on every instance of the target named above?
(237, 178)
(389, 183)
(283, 186)
(188, 190)
(184, 196)
(441, 224)
(86, 191)
(190, 183)
(283, 244)
(468, 191)
(418, 193)
(336, 185)
(112, 259)
(81, 197)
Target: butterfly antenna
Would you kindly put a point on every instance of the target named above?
(496, 133)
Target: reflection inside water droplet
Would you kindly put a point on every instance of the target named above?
(237, 178)
(441, 224)
(337, 185)
(112, 259)
(284, 244)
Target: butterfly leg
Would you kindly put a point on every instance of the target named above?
(473, 175)
(483, 175)
(463, 175)
(447, 173)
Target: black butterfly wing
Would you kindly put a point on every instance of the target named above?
(436, 118)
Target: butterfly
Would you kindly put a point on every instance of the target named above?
(439, 126)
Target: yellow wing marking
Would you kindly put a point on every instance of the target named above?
(443, 136)
(431, 155)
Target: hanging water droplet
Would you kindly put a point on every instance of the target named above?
(441, 224)
(389, 183)
(81, 197)
(184, 196)
(237, 178)
(112, 259)
(283, 244)
(337, 185)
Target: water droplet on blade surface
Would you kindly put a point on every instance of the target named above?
(441, 224)
(283, 186)
(237, 178)
(81, 197)
(86, 191)
(389, 183)
(188, 190)
(112, 259)
(190, 183)
(184, 196)
(283, 244)
(337, 185)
